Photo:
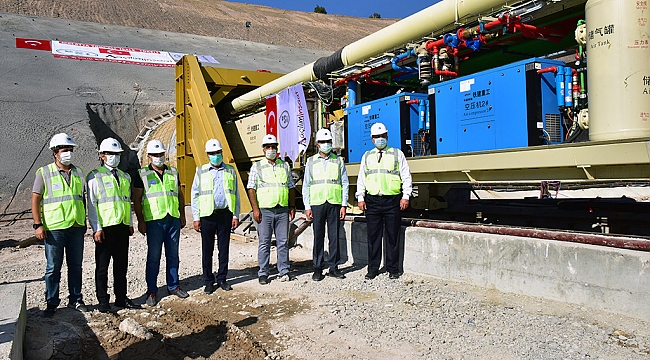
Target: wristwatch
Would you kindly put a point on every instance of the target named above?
(36, 226)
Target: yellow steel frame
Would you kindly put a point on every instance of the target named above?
(197, 120)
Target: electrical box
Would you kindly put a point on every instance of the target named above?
(507, 107)
(403, 114)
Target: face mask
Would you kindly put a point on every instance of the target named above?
(271, 154)
(216, 159)
(158, 161)
(325, 148)
(380, 143)
(112, 160)
(65, 158)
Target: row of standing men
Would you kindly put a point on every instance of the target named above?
(59, 212)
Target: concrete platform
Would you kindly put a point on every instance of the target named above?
(13, 319)
(596, 277)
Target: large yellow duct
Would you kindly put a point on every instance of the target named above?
(416, 26)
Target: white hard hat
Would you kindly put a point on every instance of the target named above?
(212, 145)
(378, 129)
(61, 139)
(155, 147)
(323, 135)
(110, 145)
(269, 139)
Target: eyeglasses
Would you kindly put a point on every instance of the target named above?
(270, 147)
(325, 142)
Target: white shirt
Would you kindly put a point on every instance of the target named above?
(219, 193)
(404, 174)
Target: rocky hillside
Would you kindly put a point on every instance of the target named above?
(215, 18)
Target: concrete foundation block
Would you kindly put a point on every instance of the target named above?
(13, 319)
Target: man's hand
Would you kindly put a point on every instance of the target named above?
(342, 213)
(183, 221)
(131, 231)
(197, 225)
(362, 205)
(403, 204)
(142, 227)
(257, 215)
(309, 215)
(40, 233)
(235, 223)
(292, 213)
(98, 236)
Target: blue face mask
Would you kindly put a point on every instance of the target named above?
(216, 159)
(381, 143)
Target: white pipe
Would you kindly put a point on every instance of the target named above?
(413, 27)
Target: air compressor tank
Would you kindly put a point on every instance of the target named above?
(618, 82)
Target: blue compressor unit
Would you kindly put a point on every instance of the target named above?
(507, 107)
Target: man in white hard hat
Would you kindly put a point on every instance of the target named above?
(59, 217)
(272, 194)
(215, 209)
(325, 194)
(109, 215)
(384, 187)
(160, 207)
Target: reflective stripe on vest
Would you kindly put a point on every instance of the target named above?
(159, 197)
(206, 188)
(62, 204)
(272, 186)
(382, 177)
(113, 200)
(325, 182)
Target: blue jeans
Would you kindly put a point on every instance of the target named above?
(70, 240)
(165, 231)
(273, 220)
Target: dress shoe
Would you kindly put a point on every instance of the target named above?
(209, 288)
(49, 311)
(318, 275)
(179, 292)
(151, 299)
(104, 307)
(224, 286)
(371, 275)
(78, 305)
(127, 304)
(264, 280)
(393, 276)
(336, 273)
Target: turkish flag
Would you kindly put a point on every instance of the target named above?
(114, 51)
(272, 115)
(33, 44)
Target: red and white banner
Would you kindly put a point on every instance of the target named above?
(272, 115)
(33, 44)
(78, 51)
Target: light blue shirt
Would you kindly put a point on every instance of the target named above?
(345, 183)
(219, 193)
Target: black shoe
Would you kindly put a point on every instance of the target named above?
(371, 275)
(209, 288)
(49, 311)
(393, 276)
(336, 273)
(104, 307)
(127, 304)
(179, 292)
(78, 305)
(318, 275)
(151, 299)
(264, 280)
(224, 286)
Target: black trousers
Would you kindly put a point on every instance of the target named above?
(115, 245)
(219, 224)
(326, 213)
(383, 211)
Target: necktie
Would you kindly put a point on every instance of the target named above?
(114, 171)
(380, 153)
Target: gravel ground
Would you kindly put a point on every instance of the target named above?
(415, 317)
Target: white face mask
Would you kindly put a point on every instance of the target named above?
(271, 154)
(65, 158)
(325, 148)
(381, 143)
(158, 161)
(112, 160)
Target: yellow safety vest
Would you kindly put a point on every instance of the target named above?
(325, 182)
(382, 177)
(113, 200)
(62, 204)
(160, 197)
(272, 187)
(206, 188)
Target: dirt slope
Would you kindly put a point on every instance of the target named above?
(215, 18)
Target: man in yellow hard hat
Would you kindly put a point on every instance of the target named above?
(272, 194)
(109, 215)
(160, 207)
(59, 217)
(384, 187)
(325, 194)
(215, 209)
